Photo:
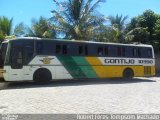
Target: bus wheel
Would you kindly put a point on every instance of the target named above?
(42, 75)
(128, 73)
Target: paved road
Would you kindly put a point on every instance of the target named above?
(140, 95)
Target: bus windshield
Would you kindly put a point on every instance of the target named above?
(3, 49)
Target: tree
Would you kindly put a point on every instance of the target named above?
(157, 34)
(145, 27)
(77, 19)
(41, 28)
(118, 27)
(157, 27)
(146, 20)
(5, 25)
(138, 34)
(21, 30)
(132, 25)
(104, 34)
(1, 36)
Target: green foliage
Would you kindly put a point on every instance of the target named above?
(157, 35)
(1, 36)
(157, 27)
(119, 21)
(118, 27)
(20, 29)
(10, 37)
(6, 25)
(41, 28)
(138, 34)
(133, 24)
(77, 19)
(145, 28)
(147, 20)
(104, 34)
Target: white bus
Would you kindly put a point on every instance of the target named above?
(41, 60)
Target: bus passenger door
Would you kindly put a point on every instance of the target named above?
(16, 61)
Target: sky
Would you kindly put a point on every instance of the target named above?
(25, 10)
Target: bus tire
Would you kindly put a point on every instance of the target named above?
(128, 73)
(42, 75)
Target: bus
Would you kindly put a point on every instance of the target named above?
(41, 60)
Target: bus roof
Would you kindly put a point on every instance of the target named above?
(80, 41)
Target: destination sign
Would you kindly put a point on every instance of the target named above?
(127, 61)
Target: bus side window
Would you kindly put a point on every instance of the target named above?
(123, 51)
(134, 52)
(58, 49)
(64, 49)
(49, 48)
(119, 51)
(39, 48)
(80, 50)
(139, 52)
(86, 50)
(106, 51)
(27, 53)
(112, 51)
(149, 53)
(100, 51)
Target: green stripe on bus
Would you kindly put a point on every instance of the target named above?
(71, 66)
(85, 67)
